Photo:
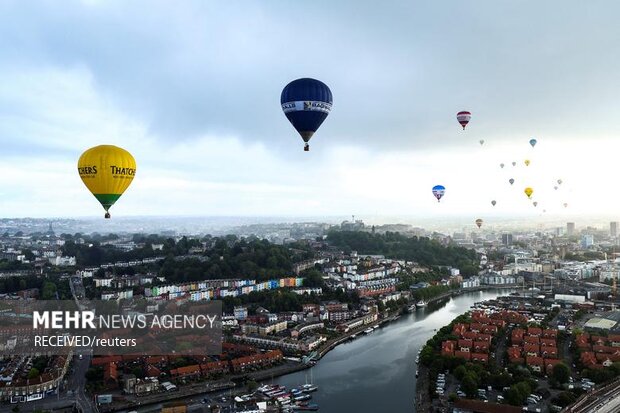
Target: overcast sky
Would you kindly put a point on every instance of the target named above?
(192, 90)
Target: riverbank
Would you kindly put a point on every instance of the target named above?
(293, 369)
(422, 393)
(186, 391)
(328, 346)
(262, 375)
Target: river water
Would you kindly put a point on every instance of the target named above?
(376, 372)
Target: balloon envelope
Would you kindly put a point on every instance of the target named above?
(535, 203)
(479, 222)
(463, 117)
(501, 165)
(107, 171)
(512, 181)
(493, 202)
(527, 162)
(481, 142)
(306, 103)
(439, 191)
(528, 191)
(533, 142)
(559, 182)
(514, 164)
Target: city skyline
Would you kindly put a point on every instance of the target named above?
(197, 104)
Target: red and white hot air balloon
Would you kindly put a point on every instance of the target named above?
(463, 117)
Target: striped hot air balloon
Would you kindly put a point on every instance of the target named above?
(463, 117)
(306, 103)
(439, 191)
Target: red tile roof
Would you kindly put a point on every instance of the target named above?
(534, 331)
(463, 343)
(480, 357)
(534, 361)
(447, 348)
(462, 354)
(588, 358)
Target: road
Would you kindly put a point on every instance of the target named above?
(72, 393)
(603, 400)
(77, 383)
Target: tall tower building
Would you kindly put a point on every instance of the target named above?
(570, 228)
(507, 239)
(587, 241)
(613, 228)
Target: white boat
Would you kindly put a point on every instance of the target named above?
(420, 304)
(308, 388)
(368, 330)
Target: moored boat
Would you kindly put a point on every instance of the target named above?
(308, 407)
(308, 388)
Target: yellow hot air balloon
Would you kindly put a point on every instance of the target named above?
(107, 171)
(528, 191)
(527, 162)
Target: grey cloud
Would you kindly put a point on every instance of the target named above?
(399, 70)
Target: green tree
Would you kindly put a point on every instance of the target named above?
(48, 291)
(252, 385)
(469, 384)
(33, 373)
(517, 393)
(460, 372)
(561, 373)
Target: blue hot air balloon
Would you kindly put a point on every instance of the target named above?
(439, 191)
(306, 103)
(533, 142)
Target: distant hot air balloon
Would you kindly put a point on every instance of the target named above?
(559, 182)
(439, 191)
(565, 204)
(463, 117)
(479, 222)
(555, 187)
(533, 142)
(107, 171)
(306, 103)
(514, 163)
(481, 142)
(528, 191)
(544, 210)
(493, 202)
(501, 165)
(535, 203)
(512, 181)
(527, 162)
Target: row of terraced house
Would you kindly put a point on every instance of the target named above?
(474, 339)
(535, 347)
(214, 289)
(598, 351)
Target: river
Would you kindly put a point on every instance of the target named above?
(376, 372)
